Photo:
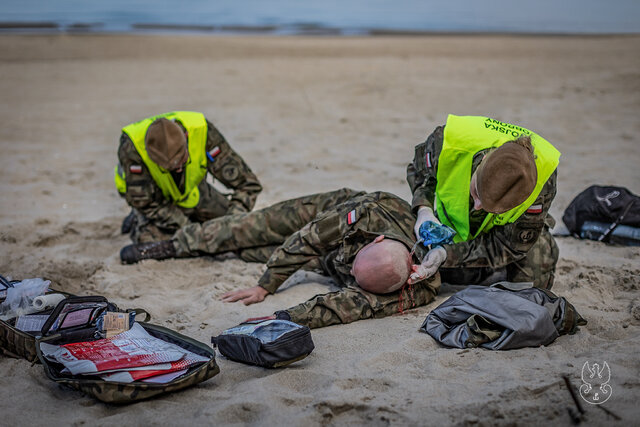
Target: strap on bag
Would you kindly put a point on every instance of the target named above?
(616, 222)
(138, 311)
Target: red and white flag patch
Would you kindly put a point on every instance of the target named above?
(535, 209)
(215, 151)
(351, 217)
(135, 169)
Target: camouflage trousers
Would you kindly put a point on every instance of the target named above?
(212, 204)
(538, 266)
(353, 303)
(255, 235)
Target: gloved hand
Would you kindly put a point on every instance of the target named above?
(424, 214)
(429, 266)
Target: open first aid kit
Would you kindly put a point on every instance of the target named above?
(89, 344)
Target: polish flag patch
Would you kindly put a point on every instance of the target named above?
(351, 217)
(428, 159)
(215, 151)
(135, 169)
(535, 209)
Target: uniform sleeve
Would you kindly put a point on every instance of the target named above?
(421, 173)
(351, 304)
(302, 250)
(231, 170)
(506, 244)
(143, 193)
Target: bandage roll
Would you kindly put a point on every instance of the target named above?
(45, 302)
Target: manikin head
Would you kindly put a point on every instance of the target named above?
(505, 178)
(166, 144)
(382, 266)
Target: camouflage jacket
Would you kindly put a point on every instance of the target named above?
(227, 167)
(500, 246)
(331, 241)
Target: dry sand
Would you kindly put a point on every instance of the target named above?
(309, 115)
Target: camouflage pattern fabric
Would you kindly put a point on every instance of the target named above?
(322, 233)
(353, 303)
(525, 248)
(252, 231)
(158, 218)
(15, 343)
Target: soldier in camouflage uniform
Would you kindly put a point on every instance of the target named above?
(322, 233)
(521, 250)
(156, 214)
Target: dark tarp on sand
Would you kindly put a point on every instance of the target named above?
(503, 316)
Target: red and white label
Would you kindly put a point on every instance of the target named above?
(215, 151)
(351, 217)
(535, 209)
(135, 169)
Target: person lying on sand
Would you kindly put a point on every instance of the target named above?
(361, 240)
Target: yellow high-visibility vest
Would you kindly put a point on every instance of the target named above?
(195, 169)
(464, 136)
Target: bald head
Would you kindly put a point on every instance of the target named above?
(382, 266)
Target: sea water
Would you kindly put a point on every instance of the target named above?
(342, 17)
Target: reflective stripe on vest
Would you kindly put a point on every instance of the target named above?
(195, 169)
(464, 136)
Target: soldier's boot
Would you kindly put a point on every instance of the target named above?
(128, 223)
(150, 250)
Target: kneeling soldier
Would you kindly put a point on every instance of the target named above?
(164, 161)
(493, 183)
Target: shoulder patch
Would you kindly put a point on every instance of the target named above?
(535, 209)
(135, 169)
(351, 217)
(213, 153)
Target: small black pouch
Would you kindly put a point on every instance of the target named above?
(267, 343)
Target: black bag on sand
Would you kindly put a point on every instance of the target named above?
(269, 343)
(607, 214)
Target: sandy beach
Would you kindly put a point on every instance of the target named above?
(309, 115)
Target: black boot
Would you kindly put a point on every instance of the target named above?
(152, 250)
(128, 223)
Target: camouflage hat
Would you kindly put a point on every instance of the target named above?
(166, 144)
(507, 176)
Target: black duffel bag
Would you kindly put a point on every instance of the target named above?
(605, 213)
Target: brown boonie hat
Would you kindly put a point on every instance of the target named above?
(166, 144)
(507, 176)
